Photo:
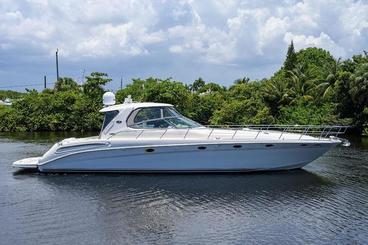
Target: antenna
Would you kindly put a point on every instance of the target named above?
(121, 83)
(81, 80)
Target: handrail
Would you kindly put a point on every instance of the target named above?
(283, 131)
(319, 132)
(210, 133)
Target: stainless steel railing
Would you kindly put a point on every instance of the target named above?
(321, 132)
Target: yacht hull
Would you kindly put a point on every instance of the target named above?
(190, 158)
(154, 137)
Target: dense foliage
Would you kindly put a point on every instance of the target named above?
(312, 87)
(66, 107)
(9, 94)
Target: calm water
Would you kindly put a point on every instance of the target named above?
(326, 202)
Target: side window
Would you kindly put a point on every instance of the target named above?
(109, 115)
(145, 114)
(167, 112)
(159, 123)
(159, 117)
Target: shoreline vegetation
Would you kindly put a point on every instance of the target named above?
(312, 87)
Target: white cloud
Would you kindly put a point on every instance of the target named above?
(202, 32)
(176, 49)
(98, 28)
(322, 41)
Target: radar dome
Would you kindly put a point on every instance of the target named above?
(108, 98)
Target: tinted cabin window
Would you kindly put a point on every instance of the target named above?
(145, 114)
(167, 112)
(109, 115)
(159, 117)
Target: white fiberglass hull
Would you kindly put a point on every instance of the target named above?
(153, 137)
(188, 158)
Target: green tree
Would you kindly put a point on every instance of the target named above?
(301, 86)
(203, 106)
(317, 89)
(66, 84)
(238, 112)
(276, 94)
(167, 91)
(211, 87)
(197, 85)
(359, 94)
(93, 86)
(157, 90)
(307, 113)
(242, 80)
(314, 61)
(291, 59)
(136, 89)
(4, 94)
(244, 90)
(326, 86)
(64, 108)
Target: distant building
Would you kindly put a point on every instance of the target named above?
(6, 102)
(208, 91)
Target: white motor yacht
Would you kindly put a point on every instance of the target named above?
(154, 137)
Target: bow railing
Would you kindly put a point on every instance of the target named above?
(321, 132)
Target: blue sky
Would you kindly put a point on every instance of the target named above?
(219, 41)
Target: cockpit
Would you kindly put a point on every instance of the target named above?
(146, 115)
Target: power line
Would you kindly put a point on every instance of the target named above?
(26, 85)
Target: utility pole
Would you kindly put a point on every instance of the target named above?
(84, 71)
(121, 83)
(57, 65)
(81, 78)
(44, 82)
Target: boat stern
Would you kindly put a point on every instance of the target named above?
(27, 163)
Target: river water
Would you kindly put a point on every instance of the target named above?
(324, 203)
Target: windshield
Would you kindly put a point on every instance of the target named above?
(109, 115)
(159, 117)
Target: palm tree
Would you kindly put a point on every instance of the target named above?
(276, 91)
(326, 85)
(276, 94)
(300, 85)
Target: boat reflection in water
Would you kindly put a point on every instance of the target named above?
(152, 204)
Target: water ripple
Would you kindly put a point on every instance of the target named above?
(324, 203)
